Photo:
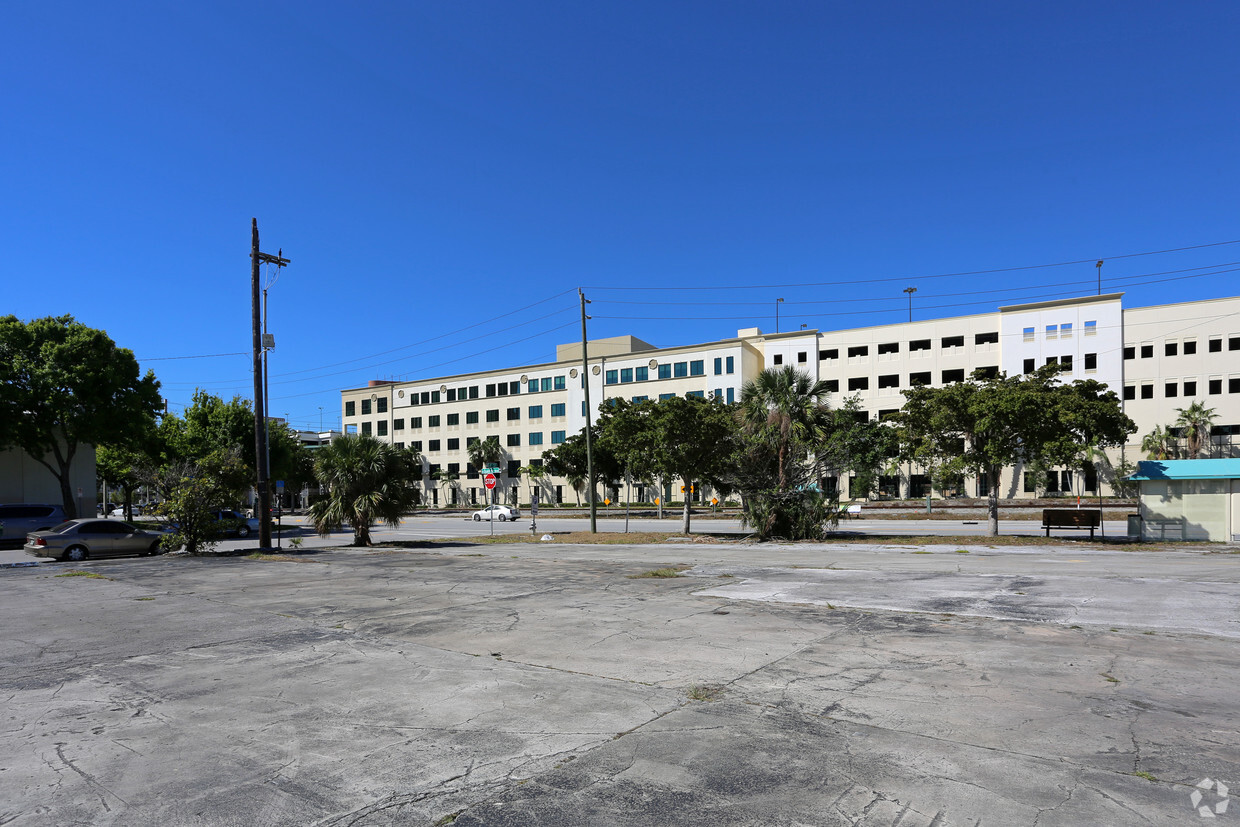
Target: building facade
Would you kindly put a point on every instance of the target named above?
(1157, 359)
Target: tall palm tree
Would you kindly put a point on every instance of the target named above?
(1158, 443)
(788, 407)
(1197, 421)
(367, 480)
(452, 479)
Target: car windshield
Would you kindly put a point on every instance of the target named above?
(63, 526)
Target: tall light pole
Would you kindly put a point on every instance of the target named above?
(1099, 266)
(910, 291)
(778, 302)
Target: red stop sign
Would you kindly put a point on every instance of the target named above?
(489, 480)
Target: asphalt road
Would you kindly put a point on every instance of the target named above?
(517, 684)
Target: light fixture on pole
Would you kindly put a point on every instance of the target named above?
(778, 302)
(910, 291)
(1099, 266)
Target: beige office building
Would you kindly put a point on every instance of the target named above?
(1156, 358)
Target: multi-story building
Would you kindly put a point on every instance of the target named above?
(1158, 359)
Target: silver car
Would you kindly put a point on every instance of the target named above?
(87, 538)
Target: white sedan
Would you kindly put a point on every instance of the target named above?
(497, 512)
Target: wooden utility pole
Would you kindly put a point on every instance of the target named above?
(585, 383)
(263, 508)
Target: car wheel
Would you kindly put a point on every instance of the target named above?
(243, 531)
(75, 553)
(502, 518)
(477, 519)
(154, 549)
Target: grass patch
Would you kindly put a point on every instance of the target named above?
(1146, 775)
(281, 558)
(144, 598)
(79, 573)
(962, 551)
(448, 819)
(923, 551)
(1109, 678)
(671, 571)
(704, 692)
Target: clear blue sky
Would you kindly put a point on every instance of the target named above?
(445, 175)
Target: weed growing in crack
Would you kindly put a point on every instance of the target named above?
(704, 692)
(79, 573)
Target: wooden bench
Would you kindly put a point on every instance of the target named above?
(1071, 518)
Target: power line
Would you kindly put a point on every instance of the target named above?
(854, 282)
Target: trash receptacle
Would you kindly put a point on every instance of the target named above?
(1134, 526)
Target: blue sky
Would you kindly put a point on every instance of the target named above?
(445, 175)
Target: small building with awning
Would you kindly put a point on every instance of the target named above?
(1189, 499)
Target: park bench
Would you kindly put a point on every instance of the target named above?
(854, 511)
(1071, 518)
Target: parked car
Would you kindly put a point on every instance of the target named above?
(20, 519)
(235, 523)
(90, 537)
(119, 511)
(497, 512)
(103, 509)
(230, 523)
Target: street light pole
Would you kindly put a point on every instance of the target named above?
(260, 407)
(585, 383)
(910, 291)
(778, 302)
(1099, 266)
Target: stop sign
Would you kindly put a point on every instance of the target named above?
(489, 481)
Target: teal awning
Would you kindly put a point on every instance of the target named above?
(1188, 469)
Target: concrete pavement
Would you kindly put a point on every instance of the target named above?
(543, 684)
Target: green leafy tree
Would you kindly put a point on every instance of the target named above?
(686, 437)
(367, 481)
(63, 386)
(1197, 421)
(191, 489)
(988, 423)
(568, 460)
(846, 441)
(122, 468)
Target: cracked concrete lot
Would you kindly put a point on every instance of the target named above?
(544, 685)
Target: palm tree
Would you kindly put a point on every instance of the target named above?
(1197, 421)
(578, 482)
(367, 480)
(535, 474)
(788, 407)
(451, 478)
(1158, 443)
(485, 452)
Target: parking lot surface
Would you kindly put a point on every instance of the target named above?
(518, 684)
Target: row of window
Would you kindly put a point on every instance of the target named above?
(454, 443)
(471, 417)
(1091, 362)
(1172, 389)
(671, 370)
(892, 380)
(1189, 347)
(887, 348)
(1059, 331)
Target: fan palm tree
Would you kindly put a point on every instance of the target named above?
(367, 480)
(787, 407)
(1158, 443)
(485, 452)
(1197, 421)
(452, 479)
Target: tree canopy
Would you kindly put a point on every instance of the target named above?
(64, 385)
(688, 437)
(987, 423)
